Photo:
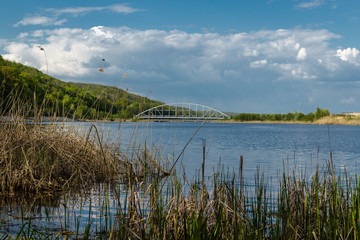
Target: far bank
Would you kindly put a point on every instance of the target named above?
(328, 120)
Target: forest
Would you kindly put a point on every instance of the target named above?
(297, 116)
(30, 87)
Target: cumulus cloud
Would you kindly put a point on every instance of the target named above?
(350, 55)
(301, 54)
(196, 56)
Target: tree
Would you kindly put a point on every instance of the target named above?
(320, 113)
(299, 116)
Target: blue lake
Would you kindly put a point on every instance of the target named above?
(267, 146)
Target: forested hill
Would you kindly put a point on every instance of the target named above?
(27, 86)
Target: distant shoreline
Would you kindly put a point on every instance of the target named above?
(330, 120)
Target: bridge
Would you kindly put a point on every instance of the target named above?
(182, 111)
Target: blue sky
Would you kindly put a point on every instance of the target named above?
(271, 56)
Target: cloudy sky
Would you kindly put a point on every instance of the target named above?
(265, 56)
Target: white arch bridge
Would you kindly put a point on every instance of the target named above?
(182, 111)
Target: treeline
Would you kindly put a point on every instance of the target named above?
(30, 87)
(297, 116)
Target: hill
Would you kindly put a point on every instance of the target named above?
(31, 89)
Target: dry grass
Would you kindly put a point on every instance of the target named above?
(37, 158)
(339, 120)
(41, 158)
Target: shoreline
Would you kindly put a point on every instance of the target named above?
(322, 121)
(330, 120)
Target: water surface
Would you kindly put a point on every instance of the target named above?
(267, 146)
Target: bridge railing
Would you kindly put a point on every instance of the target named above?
(182, 111)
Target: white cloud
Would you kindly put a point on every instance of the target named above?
(180, 57)
(350, 55)
(117, 8)
(75, 11)
(23, 35)
(310, 4)
(28, 57)
(122, 8)
(40, 20)
(301, 54)
(258, 64)
(349, 100)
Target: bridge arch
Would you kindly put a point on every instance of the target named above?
(182, 111)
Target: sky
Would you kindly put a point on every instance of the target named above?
(263, 56)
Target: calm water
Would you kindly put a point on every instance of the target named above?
(267, 146)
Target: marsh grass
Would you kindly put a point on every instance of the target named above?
(38, 158)
(319, 207)
(142, 200)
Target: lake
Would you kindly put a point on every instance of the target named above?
(267, 146)
(273, 148)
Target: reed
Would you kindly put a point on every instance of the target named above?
(318, 208)
(37, 157)
(321, 207)
(142, 200)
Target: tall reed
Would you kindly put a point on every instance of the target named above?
(321, 207)
(152, 203)
(37, 157)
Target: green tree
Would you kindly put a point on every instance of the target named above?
(320, 113)
(299, 116)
